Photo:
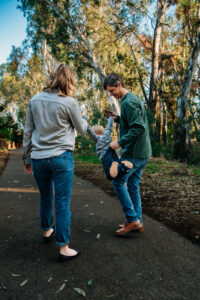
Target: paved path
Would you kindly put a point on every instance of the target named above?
(158, 264)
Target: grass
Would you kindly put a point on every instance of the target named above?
(196, 170)
(85, 158)
(155, 165)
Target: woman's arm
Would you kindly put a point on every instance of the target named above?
(79, 122)
(29, 127)
(93, 135)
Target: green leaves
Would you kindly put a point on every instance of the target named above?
(90, 282)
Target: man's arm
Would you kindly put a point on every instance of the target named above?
(134, 118)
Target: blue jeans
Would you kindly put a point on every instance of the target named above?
(58, 171)
(128, 192)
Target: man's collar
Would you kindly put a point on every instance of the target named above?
(123, 96)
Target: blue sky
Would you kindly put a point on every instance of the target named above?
(12, 27)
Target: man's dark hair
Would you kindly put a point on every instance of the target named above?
(112, 79)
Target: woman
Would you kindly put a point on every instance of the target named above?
(49, 136)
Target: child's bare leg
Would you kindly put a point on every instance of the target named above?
(127, 163)
(114, 169)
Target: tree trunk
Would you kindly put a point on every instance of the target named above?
(138, 70)
(85, 49)
(164, 131)
(197, 131)
(180, 149)
(161, 9)
(48, 60)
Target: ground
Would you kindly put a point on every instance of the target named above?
(156, 264)
(170, 193)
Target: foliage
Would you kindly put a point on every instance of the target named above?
(98, 37)
(9, 129)
(20, 78)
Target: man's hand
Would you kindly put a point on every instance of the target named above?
(114, 145)
(28, 169)
(109, 113)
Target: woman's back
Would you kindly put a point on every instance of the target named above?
(53, 120)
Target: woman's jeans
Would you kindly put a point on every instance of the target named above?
(58, 171)
(128, 192)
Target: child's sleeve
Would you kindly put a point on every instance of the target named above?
(92, 134)
(107, 132)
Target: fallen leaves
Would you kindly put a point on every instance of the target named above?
(90, 282)
(61, 288)
(24, 282)
(80, 292)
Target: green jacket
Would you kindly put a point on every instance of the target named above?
(134, 130)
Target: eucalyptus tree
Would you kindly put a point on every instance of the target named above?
(180, 149)
(189, 12)
(69, 27)
(20, 78)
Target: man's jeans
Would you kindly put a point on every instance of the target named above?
(58, 171)
(128, 192)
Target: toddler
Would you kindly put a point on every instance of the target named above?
(113, 166)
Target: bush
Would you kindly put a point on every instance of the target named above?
(194, 154)
(84, 144)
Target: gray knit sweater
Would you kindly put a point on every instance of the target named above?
(51, 121)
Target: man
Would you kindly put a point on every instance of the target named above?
(136, 148)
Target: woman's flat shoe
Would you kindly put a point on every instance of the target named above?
(46, 239)
(63, 258)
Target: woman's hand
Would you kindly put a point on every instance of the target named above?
(28, 169)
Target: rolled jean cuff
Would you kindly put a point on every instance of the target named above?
(131, 219)
(62, 244)
(46, 228)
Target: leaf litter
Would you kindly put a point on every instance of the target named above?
(61, 288)
(24, 282)
(80, 292)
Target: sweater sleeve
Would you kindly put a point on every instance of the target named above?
(136, 127)
(79, 122)
(107, 132)
(28, 129)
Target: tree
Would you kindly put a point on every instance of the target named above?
(180, 150)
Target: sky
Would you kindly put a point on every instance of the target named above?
(12, 27)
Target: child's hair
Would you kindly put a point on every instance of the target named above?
(98, 129)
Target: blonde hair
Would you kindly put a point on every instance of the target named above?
(63, 79)
(98, 129)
